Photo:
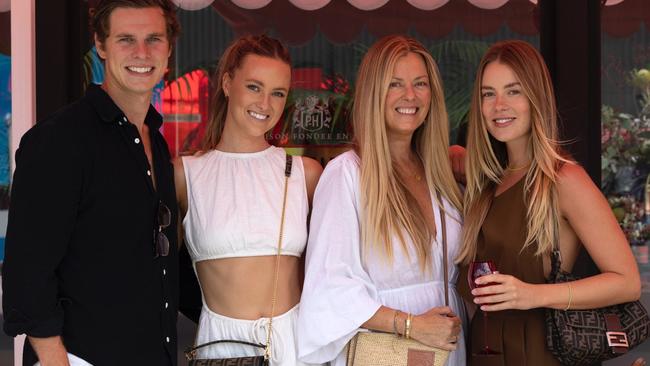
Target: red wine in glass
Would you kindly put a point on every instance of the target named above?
(476, 270)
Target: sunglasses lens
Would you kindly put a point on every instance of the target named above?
(162, 245)
(164, 219)
(164, 215)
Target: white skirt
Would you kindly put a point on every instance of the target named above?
(213, 326)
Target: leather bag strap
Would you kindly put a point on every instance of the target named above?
(616, 336)
(190, 352)
(556, 256)
(287, 174)
(445, 265)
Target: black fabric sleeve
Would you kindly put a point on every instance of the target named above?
(44, 199)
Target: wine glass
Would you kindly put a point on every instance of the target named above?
(476, 270)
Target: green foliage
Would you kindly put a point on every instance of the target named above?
(458, 61)
(625, 160)
(630, 214)
(625, 145)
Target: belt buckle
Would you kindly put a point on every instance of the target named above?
(617, 339)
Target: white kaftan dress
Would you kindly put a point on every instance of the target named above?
(342, 290)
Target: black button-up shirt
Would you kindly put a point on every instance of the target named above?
(79, 257)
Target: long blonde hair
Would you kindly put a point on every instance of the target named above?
(487, 158)
(388, 208)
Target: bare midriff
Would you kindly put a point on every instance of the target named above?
(242, 287)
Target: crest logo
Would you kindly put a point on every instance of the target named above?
(311, 114)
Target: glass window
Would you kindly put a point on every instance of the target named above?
(5, 122)
(326, 46)
(625, 133)
(625, 138)
(6, 343)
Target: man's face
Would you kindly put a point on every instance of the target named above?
(135, 51)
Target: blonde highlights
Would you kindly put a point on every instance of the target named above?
(487, 157)
(388, 209)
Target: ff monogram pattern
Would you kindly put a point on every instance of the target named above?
(580, 337)
(239, 361)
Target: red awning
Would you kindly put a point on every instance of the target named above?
(360, 4)
(626, 18)
(297, 21)
(341, 21)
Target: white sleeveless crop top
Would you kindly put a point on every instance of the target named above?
(235, 203)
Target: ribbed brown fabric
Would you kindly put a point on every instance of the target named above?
(519, 335)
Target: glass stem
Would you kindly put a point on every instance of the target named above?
(485, 331)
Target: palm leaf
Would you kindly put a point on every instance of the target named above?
(458, 61)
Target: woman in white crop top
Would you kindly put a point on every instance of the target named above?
(230, 196)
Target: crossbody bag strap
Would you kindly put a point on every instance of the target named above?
(287, 174)
(445, 265)
(556, 255)
(190, 352)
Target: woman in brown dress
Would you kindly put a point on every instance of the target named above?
(520, 188)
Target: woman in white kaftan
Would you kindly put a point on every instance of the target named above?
(351, 282)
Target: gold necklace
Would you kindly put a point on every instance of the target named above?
(514, 169)
(415, 174)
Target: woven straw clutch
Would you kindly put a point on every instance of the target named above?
(386, 349)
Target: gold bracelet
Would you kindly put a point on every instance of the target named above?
(568, 305)
(395, 323)
(407, 326)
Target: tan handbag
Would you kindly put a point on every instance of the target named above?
(387, 349)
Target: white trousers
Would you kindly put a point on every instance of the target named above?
(213, 326)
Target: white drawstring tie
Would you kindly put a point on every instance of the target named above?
(259, 331)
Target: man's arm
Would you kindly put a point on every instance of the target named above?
(457, 155)
(50, 351)
(44, 199)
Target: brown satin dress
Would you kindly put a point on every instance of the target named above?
(519, 335)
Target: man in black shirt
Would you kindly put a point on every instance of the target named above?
(90, 271)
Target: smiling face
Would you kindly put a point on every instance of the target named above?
(505, 107)
(409, 95)
(257, 93)
(135, 51)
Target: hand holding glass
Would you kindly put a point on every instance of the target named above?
(476, 270)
